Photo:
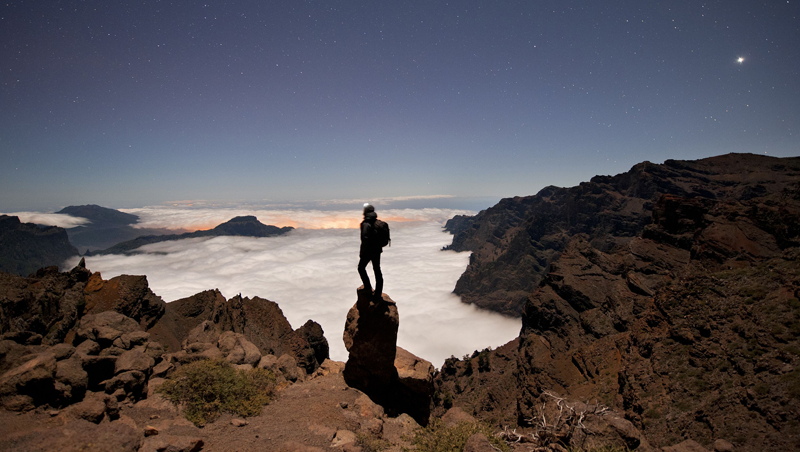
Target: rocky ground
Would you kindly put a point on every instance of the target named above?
(81, 359)
(690, 329)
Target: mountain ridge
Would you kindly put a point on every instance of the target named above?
(514, 242)
(247, 226)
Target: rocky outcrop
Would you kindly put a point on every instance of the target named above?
(50, 304)
(261, 322)
(129, 295)
(688, 330)
(47, 304)
(27, 247)
(370, 337)
(111, 358)
(390, 375)
(514, 242)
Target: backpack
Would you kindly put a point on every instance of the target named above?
(382, 233)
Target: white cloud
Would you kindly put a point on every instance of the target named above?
(50, 219)
(311, 274)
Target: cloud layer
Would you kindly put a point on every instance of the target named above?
(311, 274)
(50, 219)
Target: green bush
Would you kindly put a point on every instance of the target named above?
(371, 443)
(208, 387)
(437, 437)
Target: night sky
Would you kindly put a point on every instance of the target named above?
(127, 104)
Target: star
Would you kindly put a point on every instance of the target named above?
(740, 60)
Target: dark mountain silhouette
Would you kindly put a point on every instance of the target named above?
(27, 247)
(100, 216)
(246, 226)
(107, 228)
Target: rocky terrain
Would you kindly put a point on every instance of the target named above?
(246, 226)
(514, 242)
(27, 247)
(81, 359)
(668, 294)
(660, 311)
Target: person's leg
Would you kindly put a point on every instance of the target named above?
(362, 271)
(376, 266)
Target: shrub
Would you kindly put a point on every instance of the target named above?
(371, 443)
(437, 437)
(208, 387)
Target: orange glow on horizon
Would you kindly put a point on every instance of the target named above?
(326, 222)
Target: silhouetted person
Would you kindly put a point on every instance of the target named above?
(371, 250)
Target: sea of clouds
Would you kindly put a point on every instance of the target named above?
(311, 272)
(49, 219)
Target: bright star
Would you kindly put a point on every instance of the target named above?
(740, 60)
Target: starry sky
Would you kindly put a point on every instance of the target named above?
(126, 104)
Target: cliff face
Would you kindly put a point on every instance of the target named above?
(258, 320)
(26, 247)
(691, 327)
(514, 242)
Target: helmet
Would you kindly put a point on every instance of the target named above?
(368, 208)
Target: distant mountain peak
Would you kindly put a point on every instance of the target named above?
(100, 216)
(243, 219)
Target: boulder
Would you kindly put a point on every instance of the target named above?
(414, 390)
(62, 351)
(104, 327)
(172, 443)
(391, 376)
(134, 360)
(206, 332)
(268, 362)
(237, 349)
(125, 294)
(312, 332)
(287, 366)
(92, 409)
(370, 336)
(13, 354)
(33, 378)
(400, 430)
(133, 382)
(73, 378)
(88, 347)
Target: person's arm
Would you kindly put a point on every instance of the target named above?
(365, 232)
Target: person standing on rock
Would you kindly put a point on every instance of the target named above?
(374, 236)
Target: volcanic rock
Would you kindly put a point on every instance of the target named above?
(133, 360)
(47, 304)
(34, 379)
(203, 318)
(126, 294)
(391, 376)
(514, 242)
(682, 328)
(27, 247)
(370, 337)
